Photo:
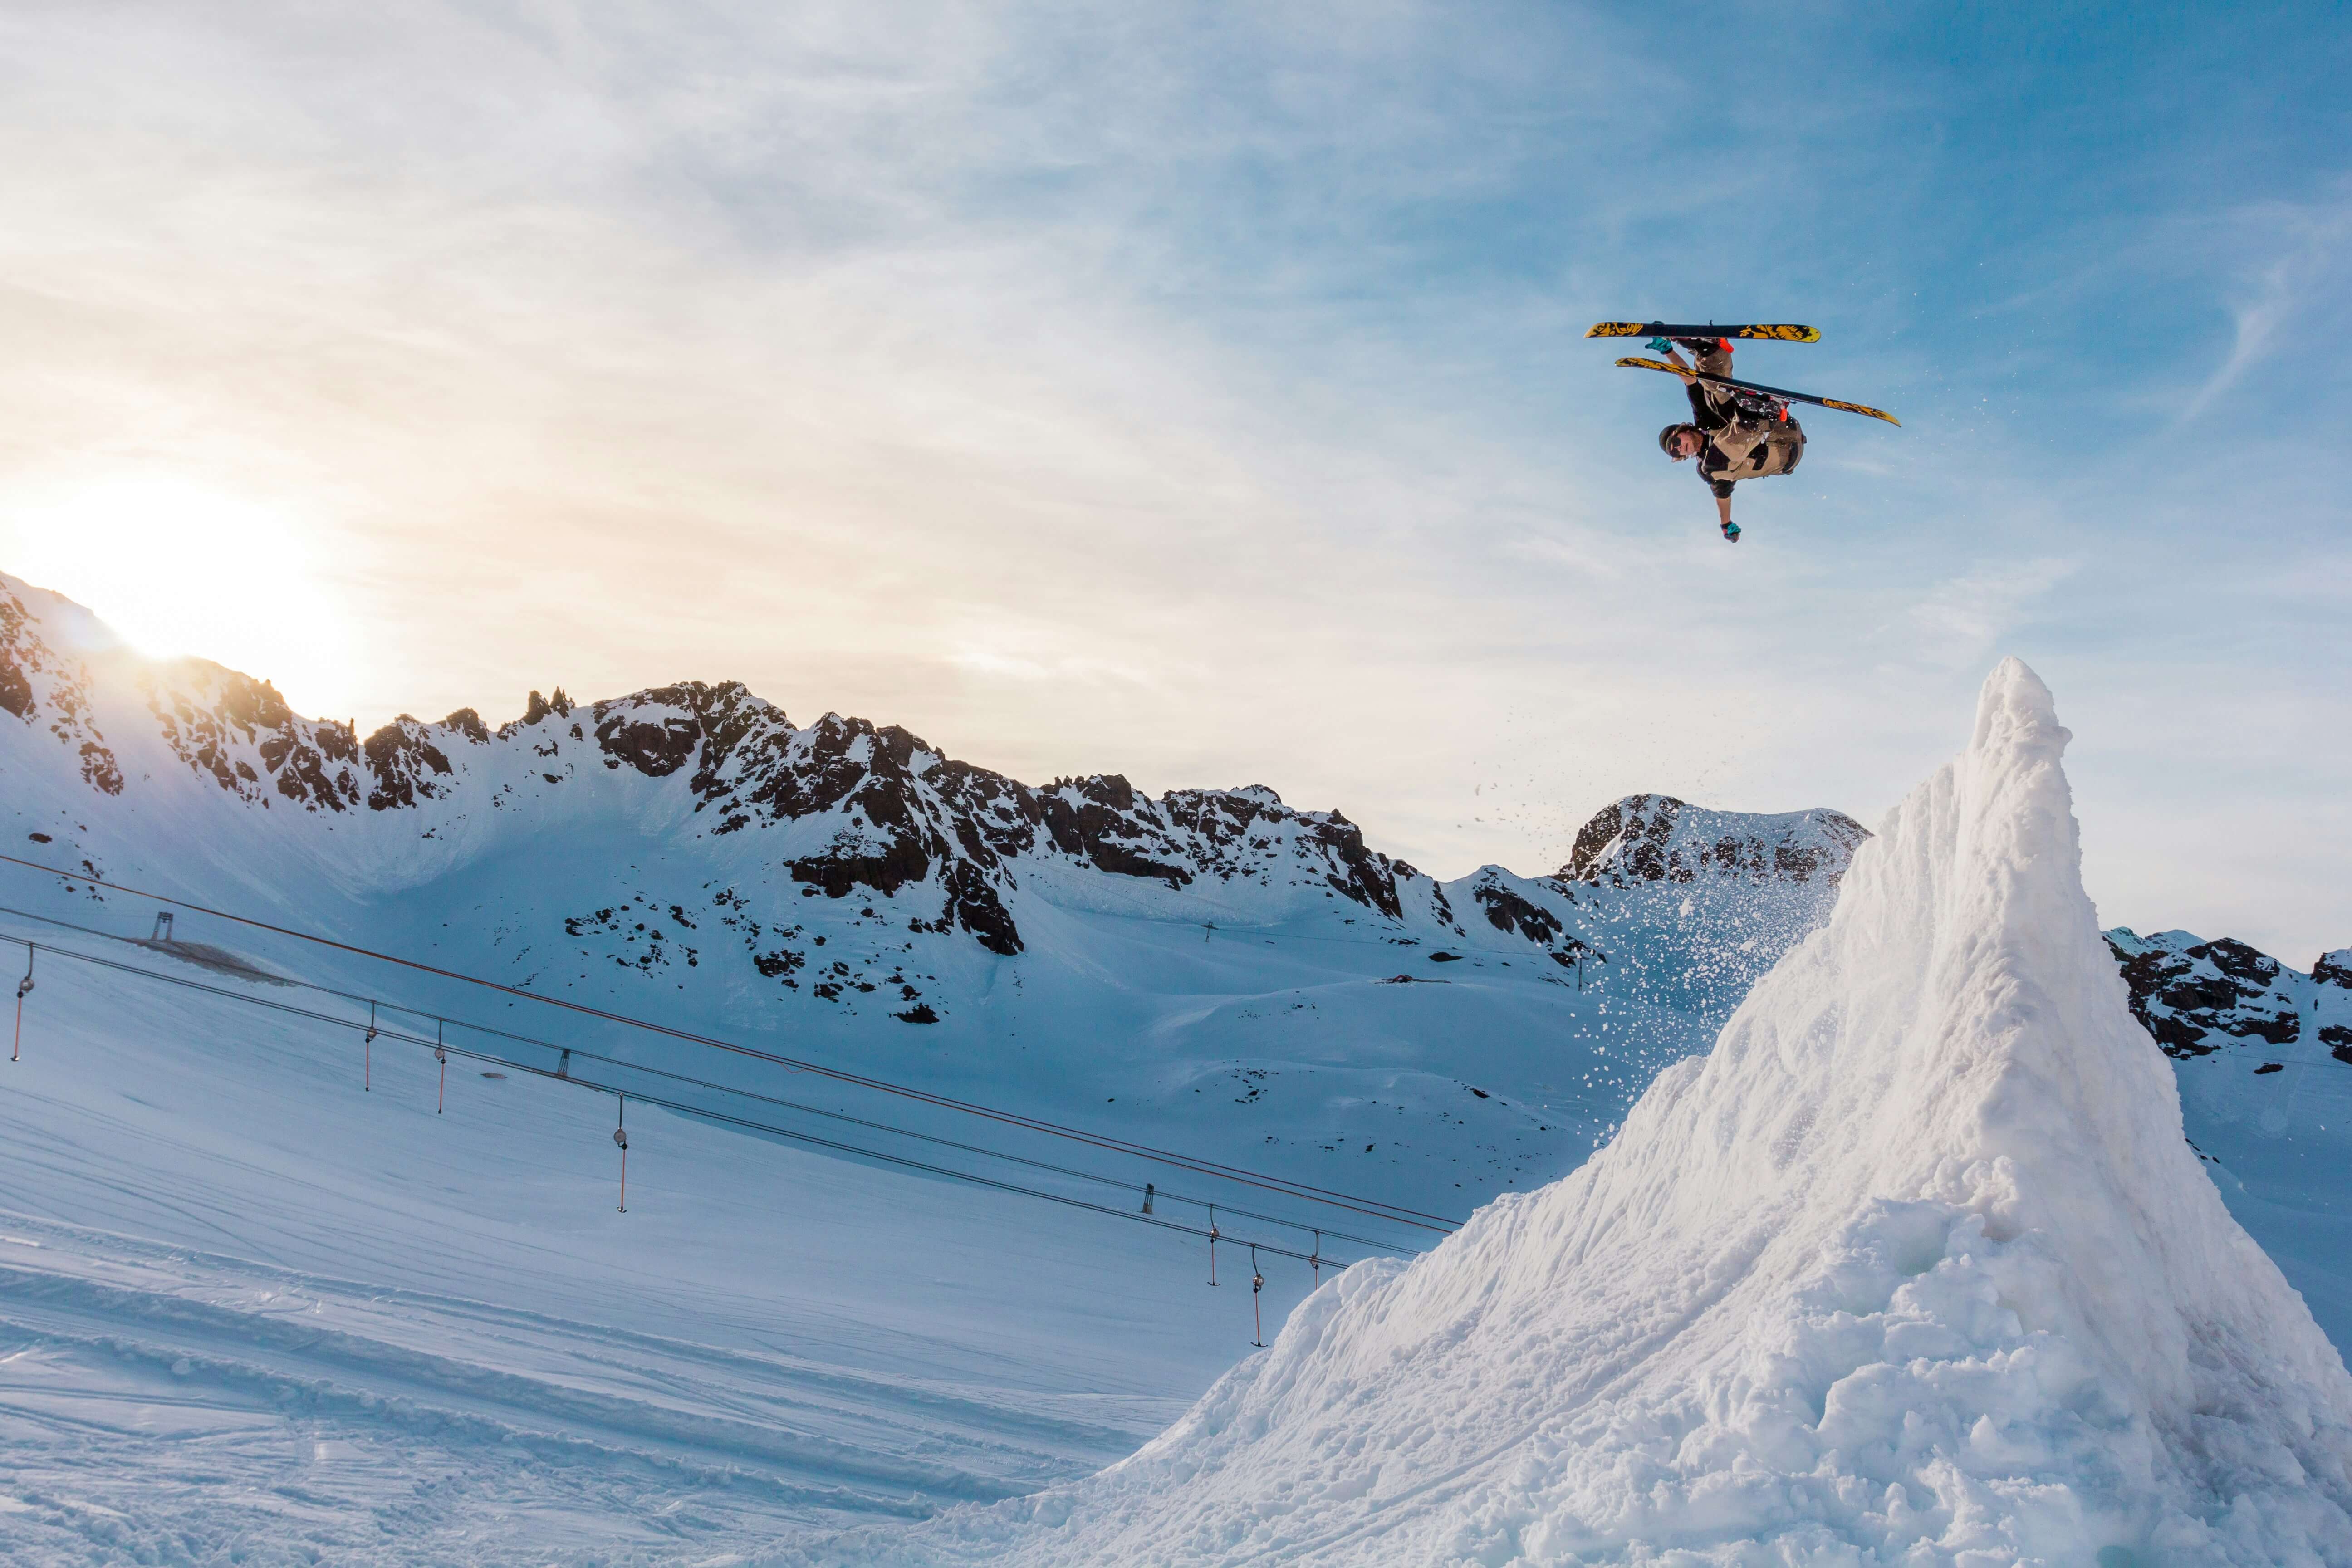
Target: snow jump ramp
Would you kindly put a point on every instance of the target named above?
(1917, 1267)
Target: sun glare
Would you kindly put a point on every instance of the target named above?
(175, 568)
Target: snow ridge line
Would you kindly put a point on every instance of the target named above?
(437, 1396)
(1394, 1213)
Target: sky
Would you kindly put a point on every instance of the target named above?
(1198, 392)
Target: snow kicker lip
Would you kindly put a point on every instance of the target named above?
(1767, 331)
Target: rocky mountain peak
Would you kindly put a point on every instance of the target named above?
(2195, 996)
(1657, 837)
(843, 808)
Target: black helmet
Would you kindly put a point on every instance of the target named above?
(1667, 438)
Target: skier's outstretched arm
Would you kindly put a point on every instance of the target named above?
(1723, 511)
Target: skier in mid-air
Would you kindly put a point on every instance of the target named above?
(1734, 434)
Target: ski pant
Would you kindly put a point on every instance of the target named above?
(1715, 360)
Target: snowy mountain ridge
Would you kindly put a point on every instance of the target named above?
(840, 806)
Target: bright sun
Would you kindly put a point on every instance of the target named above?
(176, 568)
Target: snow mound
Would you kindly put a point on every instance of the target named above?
(1916, 1267)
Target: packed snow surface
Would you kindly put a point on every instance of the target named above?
(1917, 1267)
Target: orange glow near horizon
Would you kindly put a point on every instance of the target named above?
(176, 568)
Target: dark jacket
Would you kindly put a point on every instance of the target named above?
(1744, 439)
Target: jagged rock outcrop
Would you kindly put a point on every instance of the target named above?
(239, 732)
(1511, 912)
(2195, 997)
(2332, 977)
(867, 812)
(1655, 838)
(40, 686)
(908, 815)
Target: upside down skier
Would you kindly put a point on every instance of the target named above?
(1735, 435)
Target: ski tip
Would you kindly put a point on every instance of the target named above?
(1615, 330)
(1863, 408)
(1784, 333)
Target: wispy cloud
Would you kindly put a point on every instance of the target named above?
(2297, 287)
(1961, 621)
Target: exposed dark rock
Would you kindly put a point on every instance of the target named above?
(99, 769)
(34, 679)
(974, 904)
(842, 869)
(1508, 911)
(649, 733)
(2195, 997)
(1657, 837)
(1096, 819)
(1370, 878)
(406, 765)
(539, 706)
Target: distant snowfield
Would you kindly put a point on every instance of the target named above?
(250, 1312)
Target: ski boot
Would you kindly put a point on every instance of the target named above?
(1732, 533)
(1697, 346)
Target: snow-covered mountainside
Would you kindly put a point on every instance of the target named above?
(272, 1292)
(2263, 1053)
(1917, 1267)
(1236, 972)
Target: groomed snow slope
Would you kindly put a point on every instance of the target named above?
(1916, 1267)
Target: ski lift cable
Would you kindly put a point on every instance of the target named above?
(562, 1072)
(565, 1052)
(703, 1113)
(1393, 1212)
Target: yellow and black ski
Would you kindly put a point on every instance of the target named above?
(1767, 390)
(1769, 331)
